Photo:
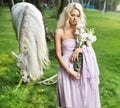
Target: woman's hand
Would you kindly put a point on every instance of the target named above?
(75, 75)
(75, 54)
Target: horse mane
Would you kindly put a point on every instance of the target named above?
(30, 32)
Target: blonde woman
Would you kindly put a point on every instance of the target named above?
(75, 89)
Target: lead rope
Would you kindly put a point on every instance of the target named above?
(49, 81)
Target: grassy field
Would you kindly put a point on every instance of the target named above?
(32, 95)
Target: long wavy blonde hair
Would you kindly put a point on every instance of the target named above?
(64, 16)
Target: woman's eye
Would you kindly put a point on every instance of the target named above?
(72, 15)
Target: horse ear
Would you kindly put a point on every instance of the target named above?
(14, 54)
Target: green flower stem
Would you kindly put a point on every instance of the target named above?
(77, 63)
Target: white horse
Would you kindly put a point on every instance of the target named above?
(33, 53)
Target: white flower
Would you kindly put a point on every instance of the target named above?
(88, 42)
(82, 30)
(83, 46)
(78, 27)
(91, 37)
(84, 36)
(77, 32)
(94, 38)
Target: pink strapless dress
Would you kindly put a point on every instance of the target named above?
(82, 93)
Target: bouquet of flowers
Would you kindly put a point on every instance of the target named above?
(85, 38)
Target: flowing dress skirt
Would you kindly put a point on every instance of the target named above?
(81, 93)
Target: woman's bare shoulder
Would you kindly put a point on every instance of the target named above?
(59, 31)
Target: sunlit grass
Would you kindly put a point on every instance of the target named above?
(107, 51)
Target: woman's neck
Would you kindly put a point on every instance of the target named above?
(72, 27)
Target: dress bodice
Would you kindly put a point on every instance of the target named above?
(68, 45)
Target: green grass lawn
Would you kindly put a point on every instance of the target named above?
(32, 95)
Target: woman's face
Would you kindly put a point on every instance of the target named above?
(74, 16)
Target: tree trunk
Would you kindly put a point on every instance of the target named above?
(63, 3)
(93, 2)
(60, 8)
(104, 7)
(75, 1)
(2, 2)
(10, 3)
(39, 5)
(82, 2)
(88, 3)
